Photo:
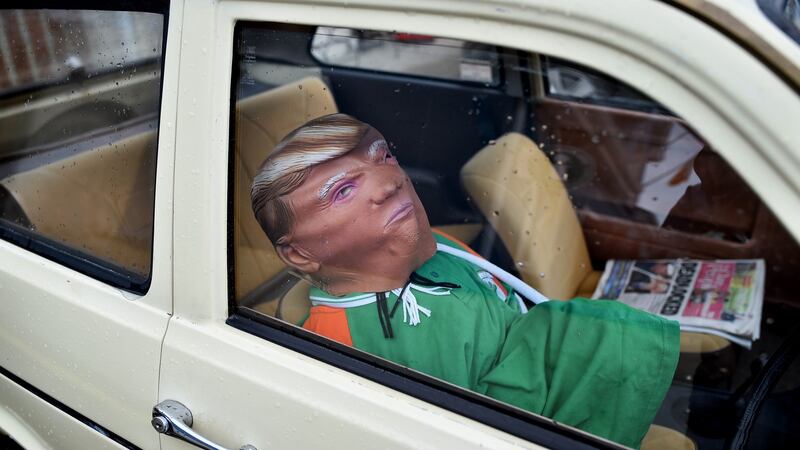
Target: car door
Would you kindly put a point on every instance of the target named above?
(85, 262)
(240, 388)
(250, 379)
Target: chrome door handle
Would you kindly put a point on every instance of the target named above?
(174, 419)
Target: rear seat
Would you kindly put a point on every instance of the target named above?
(99, 201)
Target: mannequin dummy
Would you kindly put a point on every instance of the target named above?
(343, 214)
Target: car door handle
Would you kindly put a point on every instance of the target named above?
(172, 418)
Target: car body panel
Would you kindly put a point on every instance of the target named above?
(86, 344)
(37, 424)
(93, 347)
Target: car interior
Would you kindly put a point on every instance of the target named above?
(534, 161)
(546, 185)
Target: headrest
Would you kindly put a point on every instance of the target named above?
(517, 189)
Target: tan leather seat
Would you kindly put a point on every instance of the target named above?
(662, 438)
(262, 121)
(99, 201)
(517, 189)
(519, 192)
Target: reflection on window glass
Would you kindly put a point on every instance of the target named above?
(367, 235)
(574, 82)
(79, 97)
(411, 54)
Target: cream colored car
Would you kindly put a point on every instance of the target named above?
(136, 289)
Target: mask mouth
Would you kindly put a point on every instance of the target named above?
(403, 211)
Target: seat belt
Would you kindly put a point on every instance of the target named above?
(518, 285)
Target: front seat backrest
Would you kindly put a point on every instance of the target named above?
(262, 121)
(519, 192)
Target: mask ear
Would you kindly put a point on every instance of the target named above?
(297, 258)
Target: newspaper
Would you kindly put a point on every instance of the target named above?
(721, 297)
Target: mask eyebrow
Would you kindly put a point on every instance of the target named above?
(328, 185)
(373, 148)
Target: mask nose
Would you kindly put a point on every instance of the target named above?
(386, 188)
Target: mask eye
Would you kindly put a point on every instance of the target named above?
(344, 192)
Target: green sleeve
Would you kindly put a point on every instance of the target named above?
(600, 366)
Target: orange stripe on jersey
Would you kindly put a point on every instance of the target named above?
(469, 250)
(329, 322)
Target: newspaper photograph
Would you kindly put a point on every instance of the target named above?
(722, 297)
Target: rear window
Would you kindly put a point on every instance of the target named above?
(79, 101)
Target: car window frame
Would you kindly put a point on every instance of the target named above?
(765, 158)
(85, 263)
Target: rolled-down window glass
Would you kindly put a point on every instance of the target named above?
(569, 247)
(79, 100)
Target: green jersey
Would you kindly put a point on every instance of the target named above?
(597, 365)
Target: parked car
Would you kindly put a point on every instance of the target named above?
(141, 306)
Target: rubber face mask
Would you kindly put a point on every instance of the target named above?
(359, 220)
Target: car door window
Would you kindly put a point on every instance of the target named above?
(79, 102)
(612, 174)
